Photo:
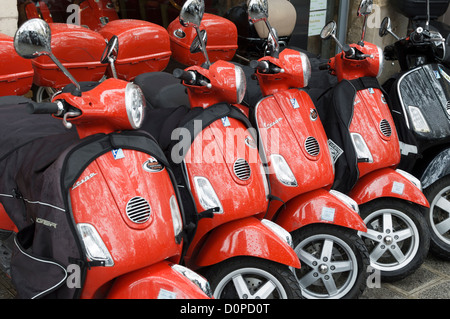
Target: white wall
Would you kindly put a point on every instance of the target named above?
(8, 17)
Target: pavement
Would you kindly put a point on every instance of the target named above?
(430, 281)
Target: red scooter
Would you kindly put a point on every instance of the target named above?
(356, 117)
(97, 209)
(222, 181)
(324, 224)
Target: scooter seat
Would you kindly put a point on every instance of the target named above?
(162, 90)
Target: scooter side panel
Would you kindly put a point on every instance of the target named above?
(158, 281)
(373, 121)
(100, 198)
(285, 121)
(244, 237)
(318, 206)
(386, 182)
(5, 222)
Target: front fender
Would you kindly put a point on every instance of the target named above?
(387, 182)
(159, 281)
(318, 206)
(437, 168)
(245, 237)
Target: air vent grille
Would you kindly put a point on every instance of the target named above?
(138, 210)
(312, 146)
(385, 128)
(242, 169)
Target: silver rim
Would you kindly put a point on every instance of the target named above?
(391, 238)
(251, 283)
(440, 215)
(44, 94)
(329, 267)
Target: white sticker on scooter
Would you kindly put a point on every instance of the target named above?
(371, 90)
(398, 188)
(226, 121)
(294, 103)
(335, 150)
(118, 154)
(327, 214)
(165, 294)
(436, 74)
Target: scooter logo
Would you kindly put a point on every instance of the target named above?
(152, 165)
(269, 125)
(294, 103)
(83, 180)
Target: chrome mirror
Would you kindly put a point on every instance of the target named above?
(328, 30)
(192, 13)
(191, 16)
(33, 39)
(258, 10)
(365, 8)
(386, 28)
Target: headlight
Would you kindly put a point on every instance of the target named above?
(135, 103)
(380, 60)
(198, 280)
(95, 247)
(362, 151)
(279, 231)
(176, 216)
(282, 170)
(241, 83)
(419, 122)
(346, 200)
(206, 194)
(411, 178)
(306, 66)
(266, 183)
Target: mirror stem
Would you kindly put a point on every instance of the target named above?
(203, 47)
(276, 49)
(363, 35)
(428, 16)
(64, 70)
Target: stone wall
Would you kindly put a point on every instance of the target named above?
(8, 17)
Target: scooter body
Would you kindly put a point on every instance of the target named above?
(104, 224)
(356, 116)
(95, 14)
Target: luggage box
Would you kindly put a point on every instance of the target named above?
(143, 47)
(221, 43)
(78, 49)
(16, 73)
(418, 8)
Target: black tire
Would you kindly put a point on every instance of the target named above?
(42, 94)
(255, 272)
(438, 194)
(398, 238)
(320, 275)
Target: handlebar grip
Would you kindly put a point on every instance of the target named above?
(348, 50)
(42, 108)
(262, 66)
(183, 75)
(324, 66)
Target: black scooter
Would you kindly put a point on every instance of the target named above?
(420, 106)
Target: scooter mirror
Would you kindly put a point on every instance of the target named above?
(33, 39)
(385, 27)
(258, 10)
(328, 30)
(192, 13)
(365, 8)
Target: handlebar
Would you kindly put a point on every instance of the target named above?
(265, 67)
(44, 108)
(186, 76)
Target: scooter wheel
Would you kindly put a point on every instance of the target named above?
(42, 93)
(252, 278)
(397, 237)
(438, 217)
(334, 262)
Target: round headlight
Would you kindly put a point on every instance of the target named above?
(241, 84)
(135, 103)
(380, 61)
(306, 66)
